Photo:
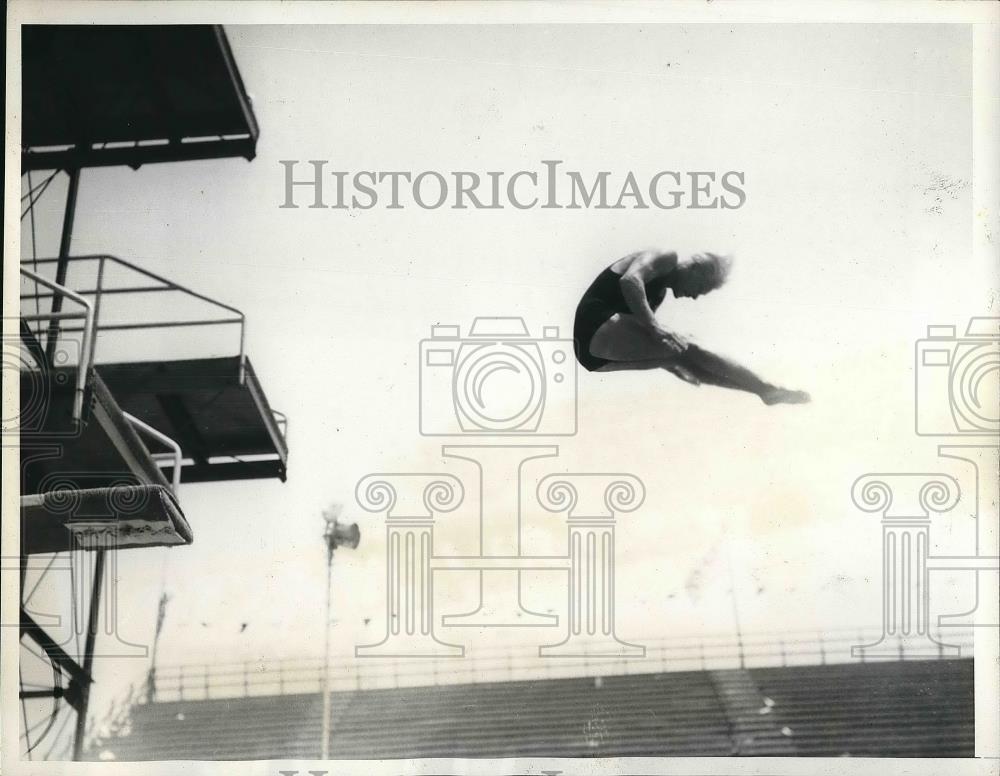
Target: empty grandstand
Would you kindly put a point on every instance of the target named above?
(904, 708)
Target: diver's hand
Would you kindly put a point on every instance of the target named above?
(675, 342)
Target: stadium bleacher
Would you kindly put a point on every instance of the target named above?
(904, 709)
(876, 709)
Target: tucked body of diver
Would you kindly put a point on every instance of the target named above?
(616, 327)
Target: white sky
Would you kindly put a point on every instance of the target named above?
(847, 248)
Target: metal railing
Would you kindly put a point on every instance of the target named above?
(159, 436)
(281, 419)
(164, 284)
(306, 675)
(89, 318)
(97, 291)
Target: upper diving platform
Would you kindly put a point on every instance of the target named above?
(100, 95)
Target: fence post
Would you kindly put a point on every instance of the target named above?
(246, 680)
(180, 682)
(206, 683)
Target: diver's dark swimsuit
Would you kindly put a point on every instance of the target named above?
(603, 299)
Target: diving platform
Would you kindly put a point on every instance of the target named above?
(224, 425)
(102, 95)
(99, 479)
(213, 408)
(135, 515)
(101, 471)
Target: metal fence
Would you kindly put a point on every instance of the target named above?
(347, 673)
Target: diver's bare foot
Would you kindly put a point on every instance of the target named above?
(778, 395)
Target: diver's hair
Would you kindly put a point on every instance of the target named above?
(713, 267)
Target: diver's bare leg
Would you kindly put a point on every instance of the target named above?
(714, 369)
(628, 346)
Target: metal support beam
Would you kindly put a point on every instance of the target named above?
(54, 652)
(64, 245)
(55, 692)
(88, 653)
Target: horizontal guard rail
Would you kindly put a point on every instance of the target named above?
(168, 285)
